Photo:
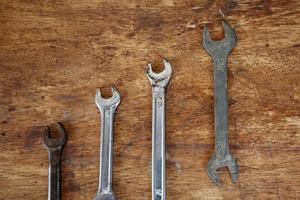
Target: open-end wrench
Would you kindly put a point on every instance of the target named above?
(54, 147)
(107, 109)
(158, 82)
(219, 51)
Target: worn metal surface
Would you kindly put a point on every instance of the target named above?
(107, 109)
(219, 51)
(54, 147)
(159, 81)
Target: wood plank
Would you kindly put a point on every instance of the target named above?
(54, 54)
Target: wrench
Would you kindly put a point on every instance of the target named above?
(219, 51)
(54, 147)
(158, 82)
(107, 109)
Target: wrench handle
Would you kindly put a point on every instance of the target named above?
(221, 105)
(158, 144)
(106, 149)
(54, 156)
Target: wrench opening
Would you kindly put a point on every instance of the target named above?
(114, 100)
(224, 46)
(219, 162)
(54, 143)
(162, 78)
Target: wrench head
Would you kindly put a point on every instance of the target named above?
(114, 100)
(105, 196)
(217, 162)
(222, 47)
(160, 79)
(55, 143)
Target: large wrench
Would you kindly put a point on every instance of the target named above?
(219, 51)
(54, 147)
(107, 109)
(158, 82)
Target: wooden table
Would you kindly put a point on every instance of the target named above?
(54, 54)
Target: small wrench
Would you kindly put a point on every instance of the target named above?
(158, 82)
(54, 147)
(219, 51)
(107, 109)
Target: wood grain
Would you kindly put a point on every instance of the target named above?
(54, 54)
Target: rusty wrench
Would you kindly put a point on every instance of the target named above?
(158, 82)
(54, 147)
(219, 51)
(107, 109)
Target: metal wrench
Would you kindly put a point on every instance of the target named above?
(219, 51)
(54, 147)
(107, 109)
(158, 82)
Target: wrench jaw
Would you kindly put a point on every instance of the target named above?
(54, 143)
(105, 196)
(222, 47)
(161, 79)
(216, 162)
(113, 101)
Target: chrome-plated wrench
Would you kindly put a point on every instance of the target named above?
(219, 51)
(54, 147)
(158, 82)
(107, 109)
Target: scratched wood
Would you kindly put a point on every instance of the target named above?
(54, 54)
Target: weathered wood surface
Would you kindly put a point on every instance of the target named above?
(54, 54)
